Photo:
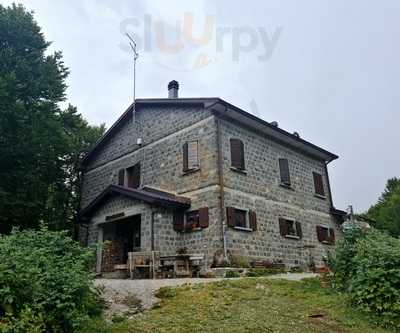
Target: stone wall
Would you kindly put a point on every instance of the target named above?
(161, 163)
(150, 123)
(258, 189)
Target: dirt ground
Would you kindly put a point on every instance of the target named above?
(128, 297)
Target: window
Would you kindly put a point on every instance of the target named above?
(241, 219)
(284, 171)
(290, 228)
(190, 156)
(133, 176)
(318, 184)
(325, 234)
(237, 154)
(194, 220)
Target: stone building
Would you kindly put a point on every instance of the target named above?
(202, 174)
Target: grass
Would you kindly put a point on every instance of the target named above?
(250, 305)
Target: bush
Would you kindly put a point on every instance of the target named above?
(367, 266)
(45, 283)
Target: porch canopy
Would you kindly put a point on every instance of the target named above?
(146, 194)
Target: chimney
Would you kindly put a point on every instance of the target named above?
(173, 88)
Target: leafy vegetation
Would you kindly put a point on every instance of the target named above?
(41, 145)
(45, 283)
(386, 212)
(367, 266)
(250, 305)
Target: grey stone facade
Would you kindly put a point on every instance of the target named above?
(163, 130)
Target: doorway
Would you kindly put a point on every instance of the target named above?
(120, 237)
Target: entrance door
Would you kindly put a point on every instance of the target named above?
(122, 236)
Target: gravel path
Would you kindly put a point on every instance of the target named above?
(131, 296)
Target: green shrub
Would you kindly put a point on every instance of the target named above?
(45, 283)
(367, 266)
(232, 274)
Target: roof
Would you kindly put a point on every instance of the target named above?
(226, 110)
(146, 194)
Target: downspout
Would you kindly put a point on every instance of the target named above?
(221, 187)
(152, 229)
(329, 184)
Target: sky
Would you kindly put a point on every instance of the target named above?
(328, 70)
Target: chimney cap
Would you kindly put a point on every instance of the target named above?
(173, 84)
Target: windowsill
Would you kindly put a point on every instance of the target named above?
(242, 171)
(326, 243)
(189, 172)
(193, 230)
(319, 196)
(289, 187)
(243, 229)
(292, 237)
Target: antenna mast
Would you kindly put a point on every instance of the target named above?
(132, 43)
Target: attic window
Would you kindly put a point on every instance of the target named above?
(237, 154)
(133, 176)
(318, 185)
(284, 172)
(191, 156)
(130, 177)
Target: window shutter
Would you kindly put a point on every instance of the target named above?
(283, 227)
(121, 177)
(332, 236)
(178, 221)
(193, 155)
(318, 184)
(134, 176)
(253, 220)
(203, 217)
(284, 171)
(298, 229)
(320, 234)
(237, 154)
(230, 216)
(185, 157)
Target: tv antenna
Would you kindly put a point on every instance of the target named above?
(132, 43)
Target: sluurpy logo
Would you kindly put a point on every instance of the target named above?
(213, 43)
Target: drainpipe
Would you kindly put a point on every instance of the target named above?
(221, 187)
(329, 185)
(152, 229)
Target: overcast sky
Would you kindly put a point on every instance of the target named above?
(328, 70)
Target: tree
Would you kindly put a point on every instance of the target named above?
(40, 144)
(386, 212)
